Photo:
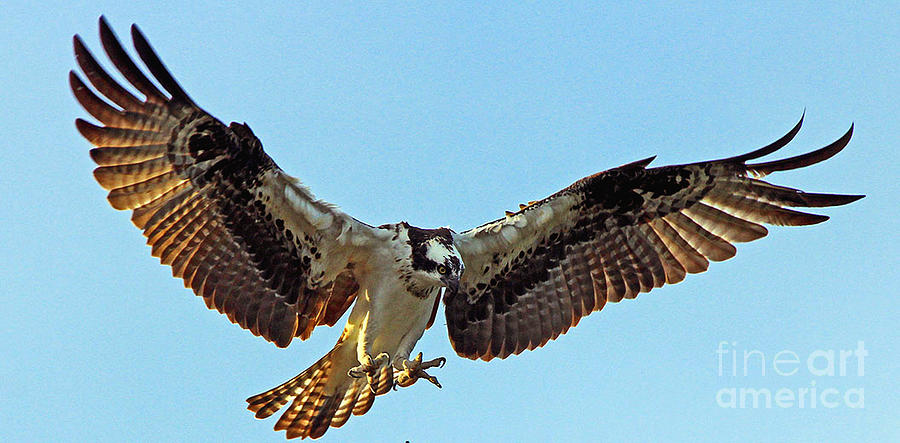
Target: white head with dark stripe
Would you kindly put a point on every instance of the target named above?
(435, 262)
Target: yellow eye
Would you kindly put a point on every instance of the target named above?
(442, 269)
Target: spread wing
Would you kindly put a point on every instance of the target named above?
(249, 239)
(533, 274)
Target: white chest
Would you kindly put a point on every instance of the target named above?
(391, 319)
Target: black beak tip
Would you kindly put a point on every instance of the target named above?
(452, 284)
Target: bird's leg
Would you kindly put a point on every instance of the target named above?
(411, 371)
(372, 369)
(378, 371)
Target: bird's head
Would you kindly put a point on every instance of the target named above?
(435, 260)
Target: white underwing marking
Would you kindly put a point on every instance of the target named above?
(521, 221)
(357, 240)
(320, 220)
(509, 233)
(343, 237)
(298, 202)
(475, 247)
(545, 214)
(324, 221)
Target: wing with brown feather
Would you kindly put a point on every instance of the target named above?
(252, 241)
(535, 273)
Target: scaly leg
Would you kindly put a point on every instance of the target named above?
(413, 370)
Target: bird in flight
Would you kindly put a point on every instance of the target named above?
(257, 246)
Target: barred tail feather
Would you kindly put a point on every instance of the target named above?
(320, 397)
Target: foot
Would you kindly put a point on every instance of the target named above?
(412, 370)
(376, 370)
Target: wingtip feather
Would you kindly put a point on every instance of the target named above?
(157, 67)
(771, 147)
(78, 47)
(642, 163)
(85, 128)
(102, 22)
(824, 200)
(800, 161)
(124, 63)
(816, 219)
(75, 82)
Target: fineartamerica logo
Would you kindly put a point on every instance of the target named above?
(735, 362)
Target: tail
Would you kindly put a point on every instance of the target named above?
(321, 396)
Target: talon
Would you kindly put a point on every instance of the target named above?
(438, 362)
(414, 369)
(433, 380)
(365, 367)
(369, 368)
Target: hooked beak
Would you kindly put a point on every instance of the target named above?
(451, 282)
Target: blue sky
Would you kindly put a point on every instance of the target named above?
(448, 115)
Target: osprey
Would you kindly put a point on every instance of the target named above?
(261, 249)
